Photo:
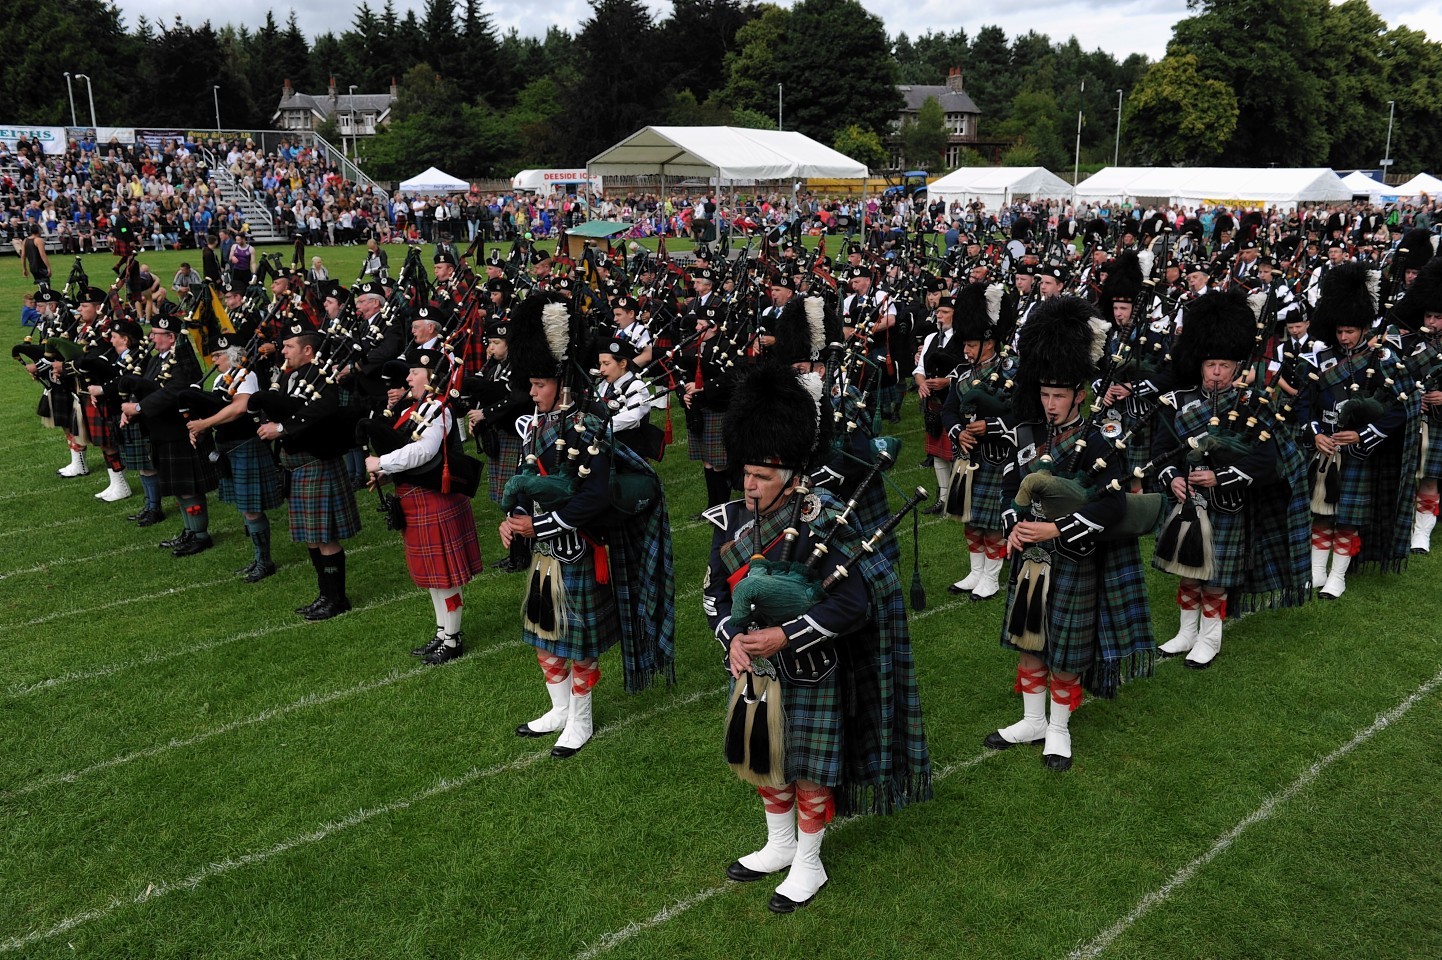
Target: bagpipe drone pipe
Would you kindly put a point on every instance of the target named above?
(772, 592)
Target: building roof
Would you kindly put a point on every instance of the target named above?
(952, 101)
(324, 106)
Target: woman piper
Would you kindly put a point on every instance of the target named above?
(250, 480)
(850, 738)
(601, 571)
(1076, 599)
(1254, 495)
(442, 551)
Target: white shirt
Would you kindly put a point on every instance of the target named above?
(419, 452)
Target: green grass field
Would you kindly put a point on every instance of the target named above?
(189, 770)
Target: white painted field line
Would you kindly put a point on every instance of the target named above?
(32, 528)
(20, 690)
(1099, 944)
(671, 911)
(69, 561)
(264, 716)
(168, 592)
(155, 891)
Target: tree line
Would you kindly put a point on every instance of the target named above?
(1243, 82)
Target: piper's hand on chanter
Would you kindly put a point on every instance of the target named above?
(1432, 398)
(763, 643)
(1115, 393)
(1203, 478)
(1179, 488)
(739, 660)
(1345, 438)
(373, 466)
(196, 428)
(1031, 531)
(268, 431)
(1325, 445)
(474, 417)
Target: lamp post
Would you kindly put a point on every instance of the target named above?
(71, 91)
(90, 92)
(1076, 169)
(1387, 153)
(354, 144)
(778, 108)
(1117, 151)
(215, 93)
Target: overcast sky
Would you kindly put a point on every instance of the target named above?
(1120, 27)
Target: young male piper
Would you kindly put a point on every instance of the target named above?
(852, 734)
(1076, 600)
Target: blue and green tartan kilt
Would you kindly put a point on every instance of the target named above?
(987, 501)
(1358, 493)
(592, 624)
(1432, 449)
(503, 465)
(813, 731)
(1073, 617)
(442, 550)
(888, 399)
(102, 424)
(1229, 548)
(134, 447)
(183, 471)
(1139, 448)
(706, 445)
(322, 503)
(253, 483)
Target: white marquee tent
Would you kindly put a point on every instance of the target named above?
(1283, 187)
(733, 154)
(995, 186)
(434, 181)
(1422, 183)
(1359, 183)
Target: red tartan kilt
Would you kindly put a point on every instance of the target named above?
(442, 549)
(938, 446)
(101, 424)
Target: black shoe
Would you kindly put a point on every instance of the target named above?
(259, 572)
(1053, 762)
(196, 544)
(149, 518)
(561, 753)
(429, 647)
(741, 873)
(507, 565)
(144, 512)
(179, 540)
(445, 654)
(925, 463)
(784, 904)
(327, 608)
(995, 741)
(245, 570)
(309, 606)
(935, 508)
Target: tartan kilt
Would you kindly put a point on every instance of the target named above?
(503, 465)
(593, 624)
(1138, 451)
(183, 471)
(253, 484)
(440, 536)
(102, 423)
(134, 447)
(1229, 548)
(987, 501)
(706, 444)
(814, 724)
(1358, 493)
(1432, 449)
(322, 503)
(938, 447)
(1072, 613)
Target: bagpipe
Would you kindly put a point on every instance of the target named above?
(1366, 401)
(774, 591)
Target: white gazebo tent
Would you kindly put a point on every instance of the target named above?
(1362, 185)
(1282, 187)
(434, 181)
(734, 154)
(1422, 183)
(998, 186)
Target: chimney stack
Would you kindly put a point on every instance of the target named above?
(953, 80)
(287, 91)
(332, 87)
(395, 92)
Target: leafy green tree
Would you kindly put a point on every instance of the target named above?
(924, 137)
(1412, 67)
(694, 42)
(927, 59)
(1355, 99)
(615, 89)
(862, 145)
(1176, 117)
(755, 67)
(1035, 121)
(852, 81)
